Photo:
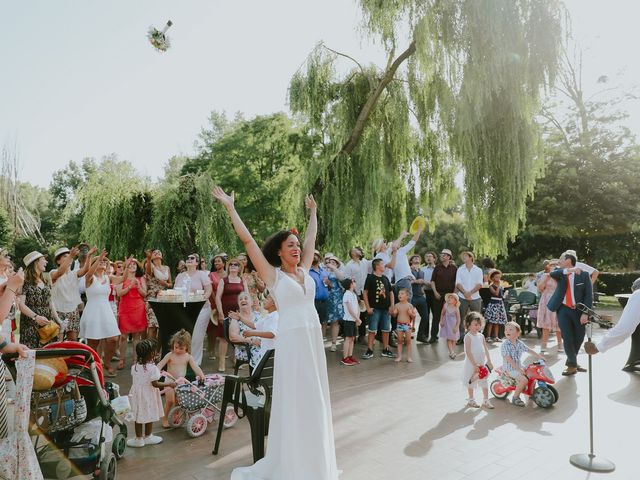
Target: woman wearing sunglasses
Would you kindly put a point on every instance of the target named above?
(301, 445)
(195, 280)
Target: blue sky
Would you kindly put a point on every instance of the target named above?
(80, 79)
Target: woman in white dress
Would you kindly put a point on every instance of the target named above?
(301, 443)
(98, 321)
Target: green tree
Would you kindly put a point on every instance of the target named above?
(588, 197)
(5, 228)
(261, 160)
(116, 203)
(460, 95)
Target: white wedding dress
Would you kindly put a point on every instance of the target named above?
(300, 442)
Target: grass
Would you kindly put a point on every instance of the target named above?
(608, 302)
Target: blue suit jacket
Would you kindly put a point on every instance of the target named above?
(582, 289)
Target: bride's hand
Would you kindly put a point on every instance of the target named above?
(222, 197)
(310, 202)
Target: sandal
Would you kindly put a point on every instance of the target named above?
(110, 373)
(517, 402)
(120, 365)
(471, 403)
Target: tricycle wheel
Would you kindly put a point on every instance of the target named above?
(543, 397)
(197, 425)
(496, 390)
(119, 445)
(177, 416)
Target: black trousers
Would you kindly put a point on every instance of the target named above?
(420, 302)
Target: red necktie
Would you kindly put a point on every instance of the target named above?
(568, 297)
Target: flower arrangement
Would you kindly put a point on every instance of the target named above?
(159, 38)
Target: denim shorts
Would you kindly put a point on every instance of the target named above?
(403, 327)
(379, 320)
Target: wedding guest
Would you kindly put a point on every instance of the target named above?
(335, 311)
(468, 285)
(419, 298)
(35, 304)
(132, 312)
(358, 268)
(65, 292)
(547, 320)
(158, 278)
(443, 281)
(215, 329)
(427, 275)
(196, 280)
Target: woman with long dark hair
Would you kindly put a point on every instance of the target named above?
(132, 310)
(301, 443)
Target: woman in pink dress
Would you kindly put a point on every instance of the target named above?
(547, 320)
(218, 272)
(132, 312)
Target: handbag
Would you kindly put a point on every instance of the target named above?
(58, 409)
(48, 332)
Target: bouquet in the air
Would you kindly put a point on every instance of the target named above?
(159, 38)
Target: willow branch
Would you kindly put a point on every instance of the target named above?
(369, 105)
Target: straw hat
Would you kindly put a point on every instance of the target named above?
(331, 256)
(446, 251)
(60, 251)
(32, 257)
(449, 295)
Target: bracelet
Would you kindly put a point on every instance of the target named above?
(3, 344)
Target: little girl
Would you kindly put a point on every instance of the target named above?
(495, 314)
(450, 322)
(477, 358)
(350, 321)
(176, 363)
(146, 404)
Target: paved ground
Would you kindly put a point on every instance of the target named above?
(408, 421)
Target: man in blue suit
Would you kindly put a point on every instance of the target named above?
(574, 286)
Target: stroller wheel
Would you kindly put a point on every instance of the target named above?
(177, 416)
(197, 425)
(108, 467)
(119, 445)
(230, 417)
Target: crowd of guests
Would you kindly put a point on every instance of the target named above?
(390, 296)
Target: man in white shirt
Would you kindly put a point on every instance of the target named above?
(626, 327)
(402, 269)
(468, 285)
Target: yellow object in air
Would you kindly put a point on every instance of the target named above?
(419, 223)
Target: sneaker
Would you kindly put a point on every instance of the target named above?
(497, 339)
(460, 342)
(471, 403)
(488, 404)
(347, 361)
(517, 402)
(388, 353)
(368, 354)
(135, 442)
(489, 340)
(353, 360)
(433, 340)
(152, 440)
(333, 347)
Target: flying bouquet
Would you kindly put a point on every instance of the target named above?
(159, 38)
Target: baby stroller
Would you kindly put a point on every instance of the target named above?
(197, 404)
(73, 422)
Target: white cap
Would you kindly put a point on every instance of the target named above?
(60, 251)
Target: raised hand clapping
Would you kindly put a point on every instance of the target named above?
(310, 202)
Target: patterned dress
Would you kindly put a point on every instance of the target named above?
(38, 299)
(495, 312)
(153, 287)
(335, 310)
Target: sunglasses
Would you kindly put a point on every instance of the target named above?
(191, 258)
(234, 264)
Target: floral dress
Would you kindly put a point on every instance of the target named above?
(241, 350)
(335, 310)
(38, 299)
(153, 287)
(495, 312)
(17, 455)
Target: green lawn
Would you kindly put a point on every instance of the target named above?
(607, 302)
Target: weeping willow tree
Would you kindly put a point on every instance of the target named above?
(116, 204)
(460, 96)
(187, 220)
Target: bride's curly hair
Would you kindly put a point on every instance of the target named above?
(273, 244)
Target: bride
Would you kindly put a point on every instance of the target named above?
(301, 443)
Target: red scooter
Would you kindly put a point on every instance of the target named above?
(538, 388)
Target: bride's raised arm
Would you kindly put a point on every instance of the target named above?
(266, 271)
(309, 246)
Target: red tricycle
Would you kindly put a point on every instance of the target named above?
(538, 388)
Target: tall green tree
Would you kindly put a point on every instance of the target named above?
(117, 204)
(461, 94)
(588, 197)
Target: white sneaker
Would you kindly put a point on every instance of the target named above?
(488, 404)
(333, 347)
(135, 442)
(152, 440)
